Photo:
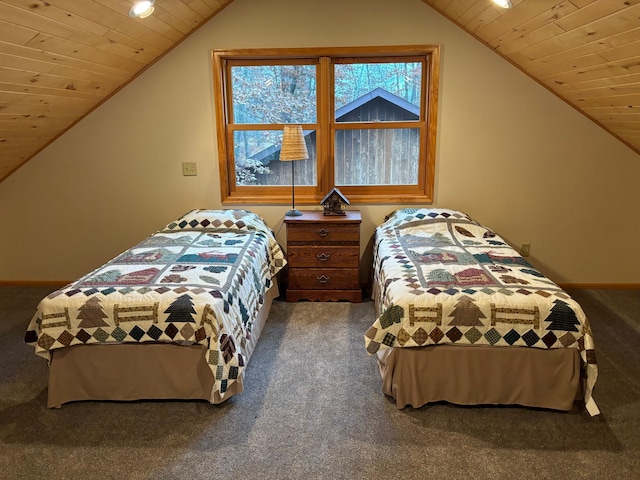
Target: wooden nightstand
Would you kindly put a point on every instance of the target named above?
(323, 254)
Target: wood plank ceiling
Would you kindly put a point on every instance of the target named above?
(59, 59)
(585, 51)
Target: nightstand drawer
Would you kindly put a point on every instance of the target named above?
(320, 233)
(323, 256)
(323, 278)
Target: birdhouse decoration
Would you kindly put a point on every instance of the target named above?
(334, 203)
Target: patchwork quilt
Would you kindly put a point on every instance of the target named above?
(443, 278)
(201, 279)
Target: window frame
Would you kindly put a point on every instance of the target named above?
(326, 126)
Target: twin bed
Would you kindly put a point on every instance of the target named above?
(175, 317)
(461, 316)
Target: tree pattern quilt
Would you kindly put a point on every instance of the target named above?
(199, 280)
(444, 278)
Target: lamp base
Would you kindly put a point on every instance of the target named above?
(293, 213)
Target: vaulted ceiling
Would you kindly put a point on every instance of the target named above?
(59, 59)
(585, 51)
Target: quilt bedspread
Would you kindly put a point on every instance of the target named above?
(443, 278)
(200, 279)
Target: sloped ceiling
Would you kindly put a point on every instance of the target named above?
(60, 59)
(585, 51)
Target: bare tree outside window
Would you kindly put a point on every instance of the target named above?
(264, 95)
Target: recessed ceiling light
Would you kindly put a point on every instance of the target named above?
(503, 3)
(142, 9)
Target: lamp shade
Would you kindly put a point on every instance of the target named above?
(293, 144)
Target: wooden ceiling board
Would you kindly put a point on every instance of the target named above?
(477, 18)
(508, 20)
(536, 30)
(15, 34)
(59, 60)
(596, 11)
(587, 52)
(582, 3)
(585, 34)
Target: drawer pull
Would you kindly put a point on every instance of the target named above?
(322, 279)
(323, 232)
(323, 257)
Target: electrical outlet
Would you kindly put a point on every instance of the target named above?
(525, 249)
(189, 169)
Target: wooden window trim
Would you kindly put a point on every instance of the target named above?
(325, 127)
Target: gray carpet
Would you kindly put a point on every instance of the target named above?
(313, 408)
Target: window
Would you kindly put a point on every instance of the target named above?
(368, 116)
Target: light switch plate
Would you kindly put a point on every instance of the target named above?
(189, 169)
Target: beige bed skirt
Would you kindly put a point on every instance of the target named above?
(142, 371)
(481, 375)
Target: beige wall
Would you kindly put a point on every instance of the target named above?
(509, 153)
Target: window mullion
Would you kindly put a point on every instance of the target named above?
(325, 88)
